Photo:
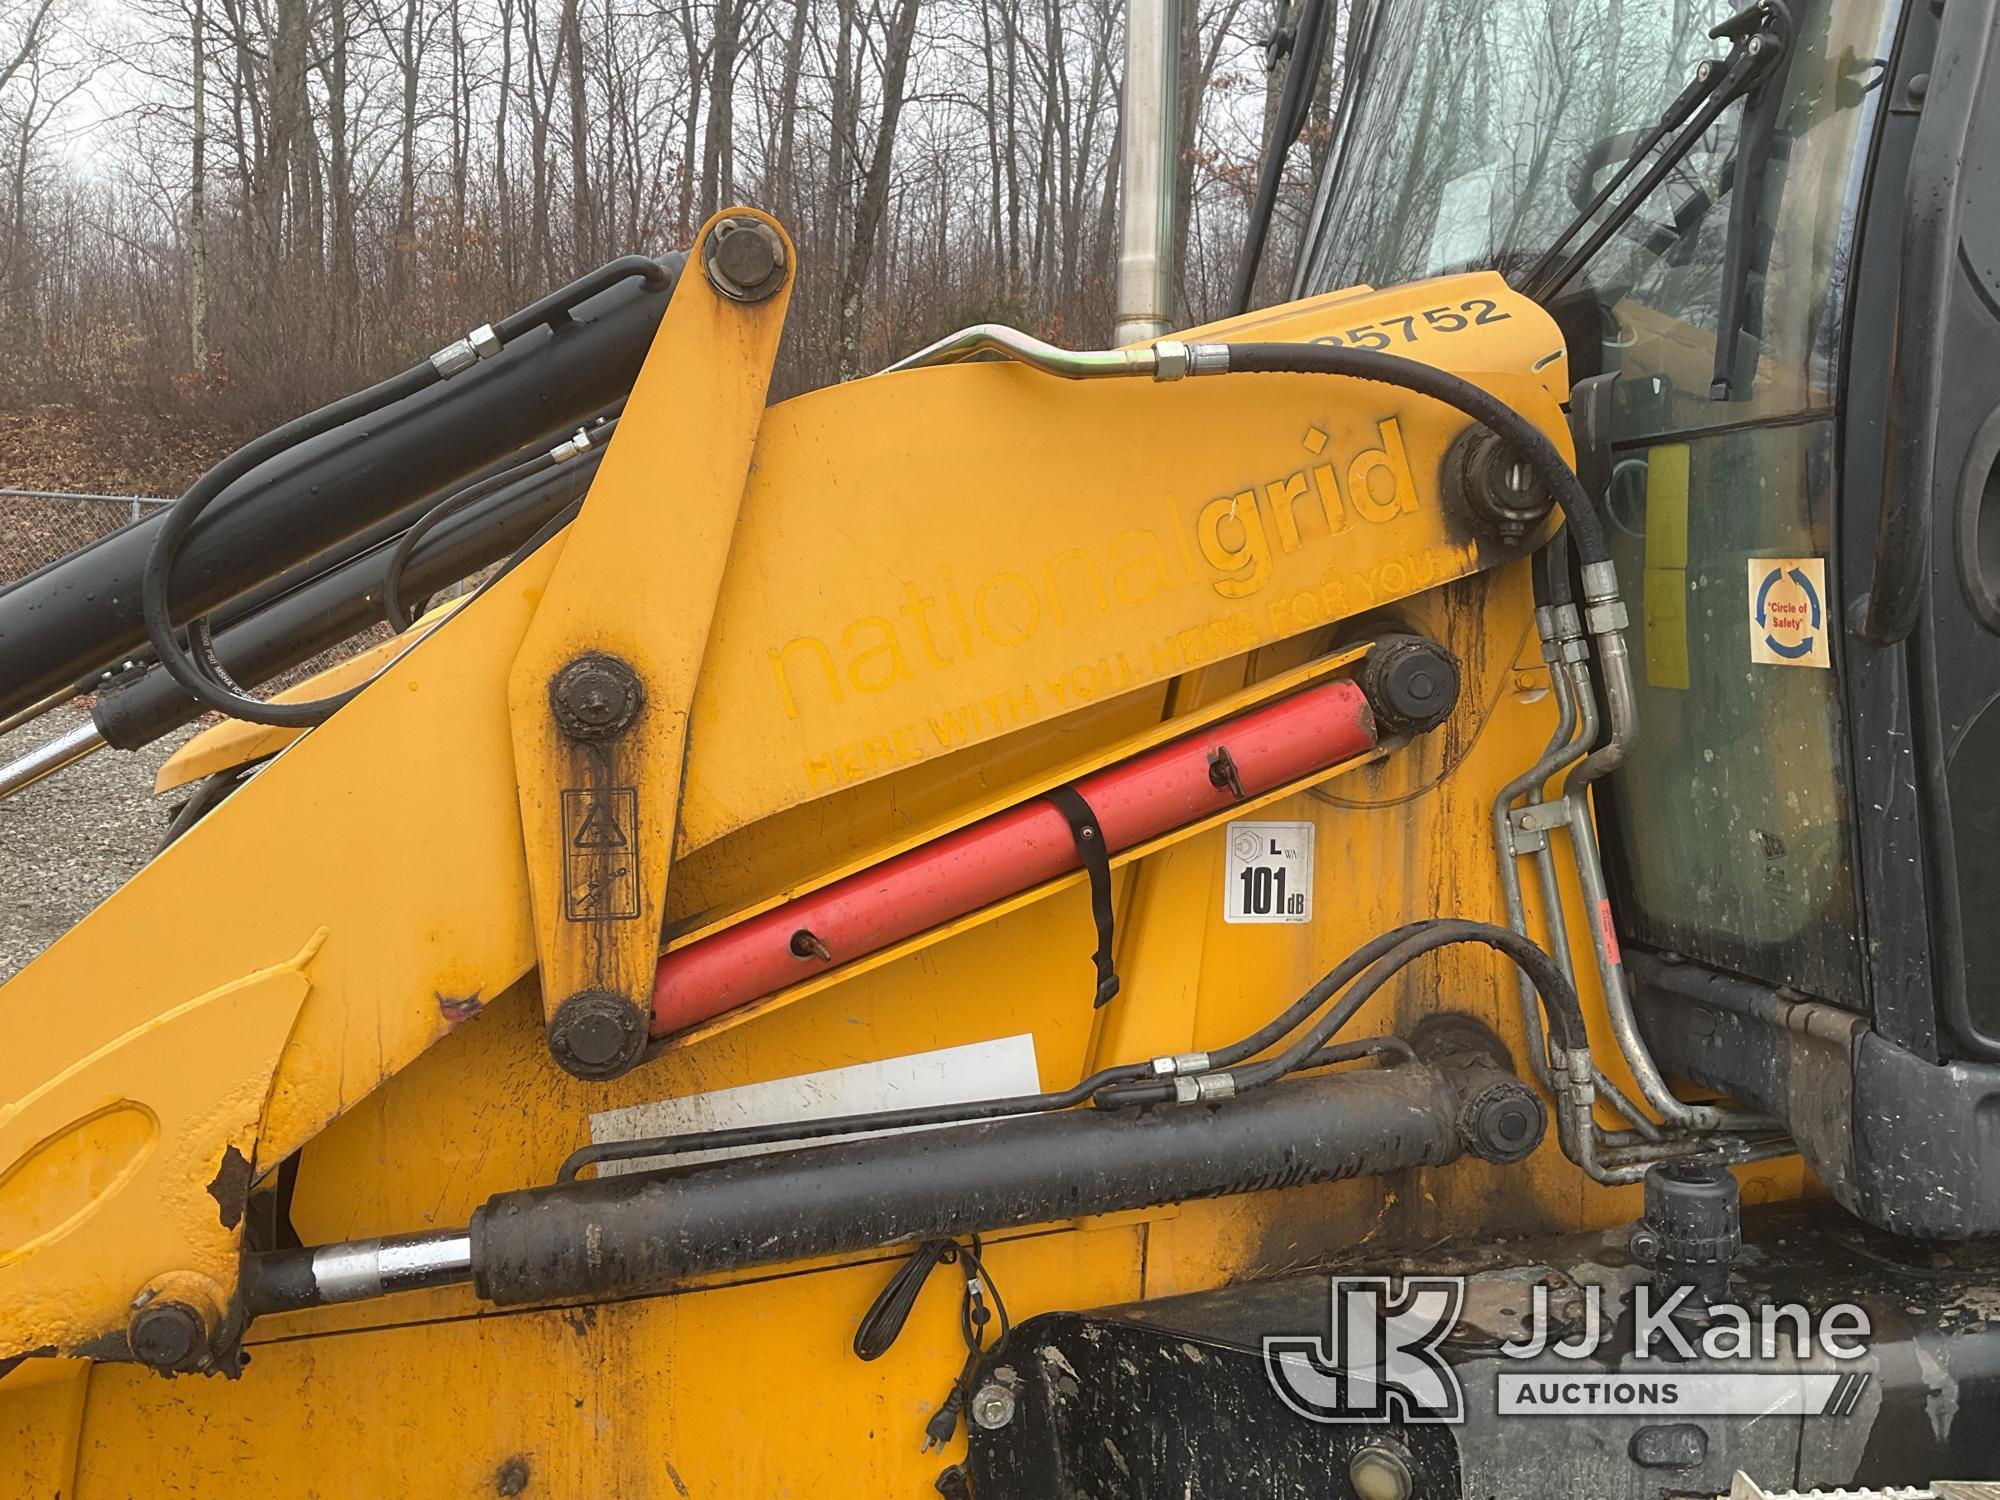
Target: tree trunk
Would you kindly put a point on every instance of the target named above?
(198, 206)
(784, 188)
(583, 250)
(875, 185)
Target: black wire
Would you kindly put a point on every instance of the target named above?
(886, 1315)
(185, 667)
(881, 1325)
(789, 1131)
(1427, 380)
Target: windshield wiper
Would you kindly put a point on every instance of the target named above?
(1305, 39)
(1760, 36)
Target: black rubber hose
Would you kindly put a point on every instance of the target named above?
(1440, 385)
(917, 1116)
(184, 512)
(1389, 956)
(555, 307)
(290, 629)
(181, 516)
(1558, 996)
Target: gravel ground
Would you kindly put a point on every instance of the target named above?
(73, 838)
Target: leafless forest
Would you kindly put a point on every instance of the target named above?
(228, 210)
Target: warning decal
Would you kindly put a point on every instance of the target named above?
(600, 845)
(1788, 612)
(1267, 872)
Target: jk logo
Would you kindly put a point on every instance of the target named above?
(1378, 1359)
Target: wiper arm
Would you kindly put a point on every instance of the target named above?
(1306, 40)
(1760, 36)
(1746, 196)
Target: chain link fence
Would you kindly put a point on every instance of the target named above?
(39, 526)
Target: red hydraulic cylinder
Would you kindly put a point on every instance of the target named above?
(1000, 856)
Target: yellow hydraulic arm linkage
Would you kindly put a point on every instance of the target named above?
(777, 646)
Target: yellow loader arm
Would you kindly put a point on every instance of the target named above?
(776, 646)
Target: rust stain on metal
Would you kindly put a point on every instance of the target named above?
(230, 1187)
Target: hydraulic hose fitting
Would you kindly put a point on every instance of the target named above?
(461, 355)
(1493, 488)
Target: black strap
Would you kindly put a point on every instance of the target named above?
(1083, 827)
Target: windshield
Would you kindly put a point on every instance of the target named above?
(1476, 130)
(1480, 127)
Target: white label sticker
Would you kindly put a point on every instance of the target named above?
(950, 1075)
(1268, 873)
(1788, 612)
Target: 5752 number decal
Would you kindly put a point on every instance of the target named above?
(1389, 331)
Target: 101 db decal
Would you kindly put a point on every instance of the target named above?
(1268, 872)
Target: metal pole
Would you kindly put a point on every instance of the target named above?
(1146, 214)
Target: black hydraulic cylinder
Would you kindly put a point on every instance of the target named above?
(82, 614)
(137, 709)
(652, 1231)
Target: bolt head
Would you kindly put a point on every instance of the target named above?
(992, 1406)
(596, 697)
(1381, 1471)
(745, 259)
(167, 1335)
(596, 1034)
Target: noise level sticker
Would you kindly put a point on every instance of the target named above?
(1788, 619)
(1268, 873)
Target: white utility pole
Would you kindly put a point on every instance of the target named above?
(1146, 212)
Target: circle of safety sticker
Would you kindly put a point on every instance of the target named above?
(1267, 872)
(1789, 622)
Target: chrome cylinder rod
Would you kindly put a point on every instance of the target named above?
(63, 751)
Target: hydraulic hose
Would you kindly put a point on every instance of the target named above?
(393, 608)
(290, 628)
(1441, 385)
(1385, 956)
(181, 517)
(1151, 1081)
